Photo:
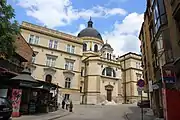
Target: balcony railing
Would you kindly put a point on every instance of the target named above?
(10, 66)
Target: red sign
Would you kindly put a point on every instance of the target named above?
(16, 101)
(140, 83)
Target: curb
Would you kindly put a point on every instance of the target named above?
(59, 116)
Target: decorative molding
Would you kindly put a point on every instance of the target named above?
(50, 32)
(50, 69)
(68, 73)
(54, 67)
(50, 49)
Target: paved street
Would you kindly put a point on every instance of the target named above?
(93, 112)
(97, 112)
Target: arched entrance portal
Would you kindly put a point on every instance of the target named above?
(109, 89)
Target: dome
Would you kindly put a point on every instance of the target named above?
(90, 31)
(107, 45)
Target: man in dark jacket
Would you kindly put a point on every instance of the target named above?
(63, 104)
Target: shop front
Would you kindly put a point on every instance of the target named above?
(30, 96)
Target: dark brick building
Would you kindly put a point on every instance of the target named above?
(21, 59)
(160, 47)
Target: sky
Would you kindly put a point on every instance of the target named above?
(118, 21)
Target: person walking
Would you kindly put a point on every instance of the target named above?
(63, 104)
(67, 104)
(71, 107)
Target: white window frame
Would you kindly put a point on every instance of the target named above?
(55, 46)
(68, 48)
(159, 43)
(69, 65)
(34, 39)
(50, 44)
(50, 61)
(72, 49)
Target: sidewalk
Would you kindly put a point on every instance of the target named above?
(48, 116)
(148, 115)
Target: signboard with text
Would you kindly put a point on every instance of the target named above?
(168, 74)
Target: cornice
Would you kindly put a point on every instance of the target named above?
(51, 32)
(55, 68)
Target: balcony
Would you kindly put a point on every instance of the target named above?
(10, 66)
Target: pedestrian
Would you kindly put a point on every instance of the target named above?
(63, 104)
(67, 104)
(70, 106)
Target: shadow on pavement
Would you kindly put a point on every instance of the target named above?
(135, 114)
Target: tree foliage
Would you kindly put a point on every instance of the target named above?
(9, 29)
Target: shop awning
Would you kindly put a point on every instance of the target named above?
(47, 86)
(25, 79)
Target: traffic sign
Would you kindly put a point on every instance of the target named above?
(140, 83)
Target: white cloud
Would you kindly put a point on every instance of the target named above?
(53, 13)
(124, 37)
(81, 27)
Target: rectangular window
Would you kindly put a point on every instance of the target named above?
(69, 65)
(68, 48)
(159, 43)
(55, 44)
(160, 17)
(33, 39)
(72, 49)
(50, 43)
(50, 61)
(36, 40)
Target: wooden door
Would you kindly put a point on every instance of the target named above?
(109, 95)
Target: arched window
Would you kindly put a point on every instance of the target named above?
(84, 47)
(109, 72)
(107, 55)
(110, 56)
(67, 83)
(95, 48)
(48, 78)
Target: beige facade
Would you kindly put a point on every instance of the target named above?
(132, 72)
(56, 60)
(84, 66)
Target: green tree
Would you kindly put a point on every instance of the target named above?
(9, 29)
